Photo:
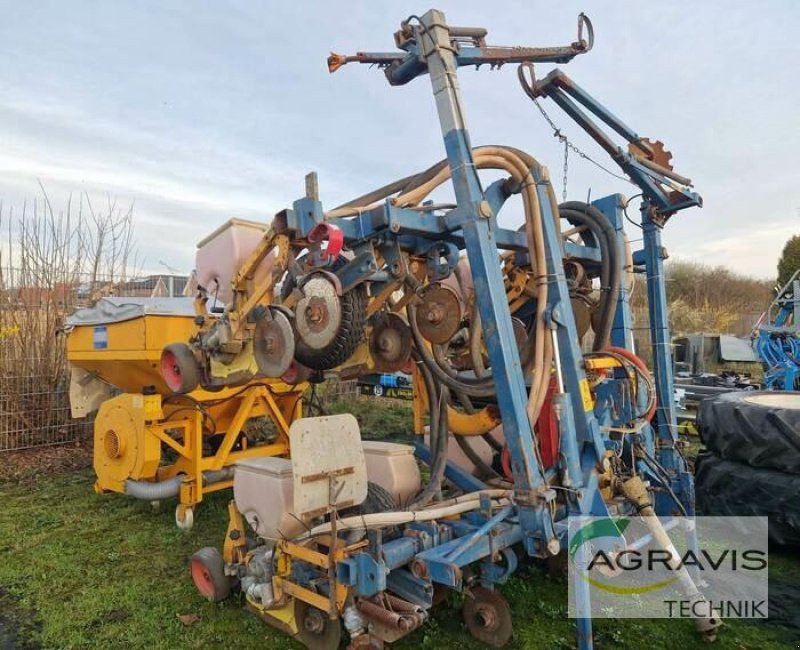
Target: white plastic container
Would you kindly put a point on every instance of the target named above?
(264, 494)
(393, 467)
(222, 253)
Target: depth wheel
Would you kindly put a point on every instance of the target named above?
(208, 574)
(341, 321)
(179, 368)
(487, 616)
(315, 629)
(184, 517)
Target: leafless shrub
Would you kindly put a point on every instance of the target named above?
(52, 261)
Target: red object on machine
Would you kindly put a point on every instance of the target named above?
(547, 428)
(630, 356)
(327, 232)
(546, 433)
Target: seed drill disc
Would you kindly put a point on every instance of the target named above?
(315, 630)
(318, 314)
(390, 343)
(488, 617)
(273, 344)
(439, 314)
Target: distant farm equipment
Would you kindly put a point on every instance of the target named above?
(776, 338)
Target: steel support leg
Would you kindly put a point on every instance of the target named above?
(661, 341)
(485, 267)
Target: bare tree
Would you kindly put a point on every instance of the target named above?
(53, 261)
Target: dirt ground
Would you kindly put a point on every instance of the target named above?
(28, 464)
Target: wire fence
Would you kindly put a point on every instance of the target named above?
(352, 390)
(34, 372)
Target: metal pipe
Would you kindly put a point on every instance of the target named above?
(159, 490)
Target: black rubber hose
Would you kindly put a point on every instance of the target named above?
(437, 441)
(493, 442)
(483, 389)
(578, 218)
(431, 393)
(438, 455)
(485, 470)
(440, 358)
(579, 213)
(615, 261)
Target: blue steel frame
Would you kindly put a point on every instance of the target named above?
(437, 552)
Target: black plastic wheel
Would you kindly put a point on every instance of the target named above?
(179, 368)
(759, 428)
(728, 488)
(487, 616)
(208, 574)
(315, 629)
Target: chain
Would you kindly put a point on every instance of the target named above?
(569, 146)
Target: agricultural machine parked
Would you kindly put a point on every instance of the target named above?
(776, 338)
(160, 432)
(492, 319)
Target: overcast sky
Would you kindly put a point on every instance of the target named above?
(199, 111)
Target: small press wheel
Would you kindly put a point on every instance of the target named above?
(179, 368)
(208, 574)
(315, 629)
(487, 616)
(184, 517)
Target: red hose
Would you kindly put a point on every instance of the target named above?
(636, 361)
(505, 462)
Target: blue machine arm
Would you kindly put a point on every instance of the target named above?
(401, 68)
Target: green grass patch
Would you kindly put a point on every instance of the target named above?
(80, 570)
(376, 420)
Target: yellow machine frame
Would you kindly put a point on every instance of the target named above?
(134, 428)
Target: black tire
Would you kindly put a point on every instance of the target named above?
(350, 334)
(378, 500)
(727, 488)
(759, 428)
(208, 573)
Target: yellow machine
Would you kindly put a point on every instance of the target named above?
(153, 444)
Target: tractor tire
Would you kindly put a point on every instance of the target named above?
(727, 488)
(761, 429)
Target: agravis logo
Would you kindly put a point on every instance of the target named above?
(605, 527)
(641, 567)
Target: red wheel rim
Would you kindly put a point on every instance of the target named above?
(170, 370)
(202, 579)
(292, 375)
